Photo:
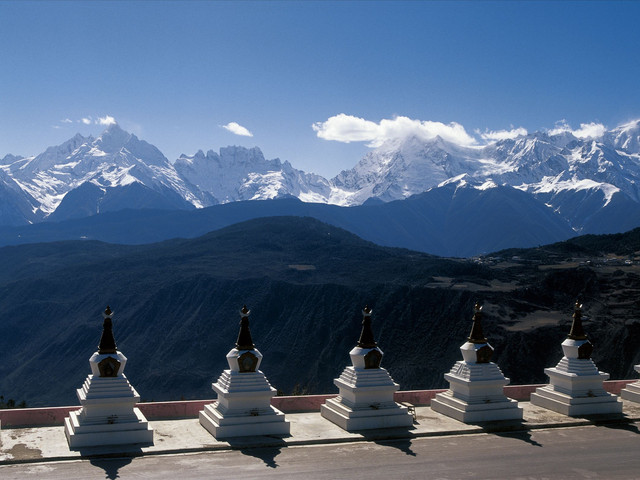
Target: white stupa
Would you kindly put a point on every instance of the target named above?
(575, 384)
(476, 384)
(243, 406)
(108, 415)
(632, 391)
(366, 393)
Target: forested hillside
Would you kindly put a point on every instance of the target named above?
(176, 308)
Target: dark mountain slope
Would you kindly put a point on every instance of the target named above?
(622, 244)
(306, 282)
(87, 199)
(448, 221)
(177, 304)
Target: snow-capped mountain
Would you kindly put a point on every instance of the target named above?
(16, 207)
(106, 166)
(86, 175)
(533, 162)
(590, 184)
(401, 168)
(238, 173)
(576, 177)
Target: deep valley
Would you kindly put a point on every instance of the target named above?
(176, 308)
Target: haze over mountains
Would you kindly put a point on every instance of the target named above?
(430, 195)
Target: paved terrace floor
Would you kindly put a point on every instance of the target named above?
(48, 444)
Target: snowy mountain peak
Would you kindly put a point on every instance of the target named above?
(564, 171)
(114, 159)
(625, 137)
(239, 173)
(113, 139)
(9, 159)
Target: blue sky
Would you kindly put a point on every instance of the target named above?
(177, 73)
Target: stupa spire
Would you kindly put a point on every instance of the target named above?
(107, 342)
(477, 336)
(577, 330)
(244, 341)
(366, 336)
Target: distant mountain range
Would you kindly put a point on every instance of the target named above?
(533, 189)
(449, 221)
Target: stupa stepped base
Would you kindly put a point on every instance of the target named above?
(467, 371)
(241, 392)
(233, 382)
(367, 417)
(108, 415)
(551, 399)
(360, 388)
(476, 394)
(501, 409)
(257, 422)
(366, 401)
(576, 388)
(113, 430)
(577, 366)
(632, 391)
(243, 407)
(108, 393)
(362, 378)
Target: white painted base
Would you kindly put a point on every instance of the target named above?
(446, 404)
(382, 416)
(108, 415)
(270, 422)
(243, 407)
(576, 388)
(632, 391)
(365, 401)
(129, 433)
(476, 394)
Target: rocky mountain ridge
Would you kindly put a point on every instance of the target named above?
(589, 184)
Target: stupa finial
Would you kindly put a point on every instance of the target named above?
(577, 330)
(477, 336)
(107, 342)
(244, 341)
(366, 335)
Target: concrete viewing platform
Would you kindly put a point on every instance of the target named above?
(177, 429)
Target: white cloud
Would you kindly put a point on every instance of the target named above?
(590, 130)
(86, 120)
(106, 120)
(496, 135)
(586, 130)
(66, 120)
(347, 128)
(561, 127)
(237, 129)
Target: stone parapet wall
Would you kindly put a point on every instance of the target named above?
(31, 417)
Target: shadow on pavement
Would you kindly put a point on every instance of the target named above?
(111, 466)
(266, 454)
(402, 444)
(629, 427)
(524, 435)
